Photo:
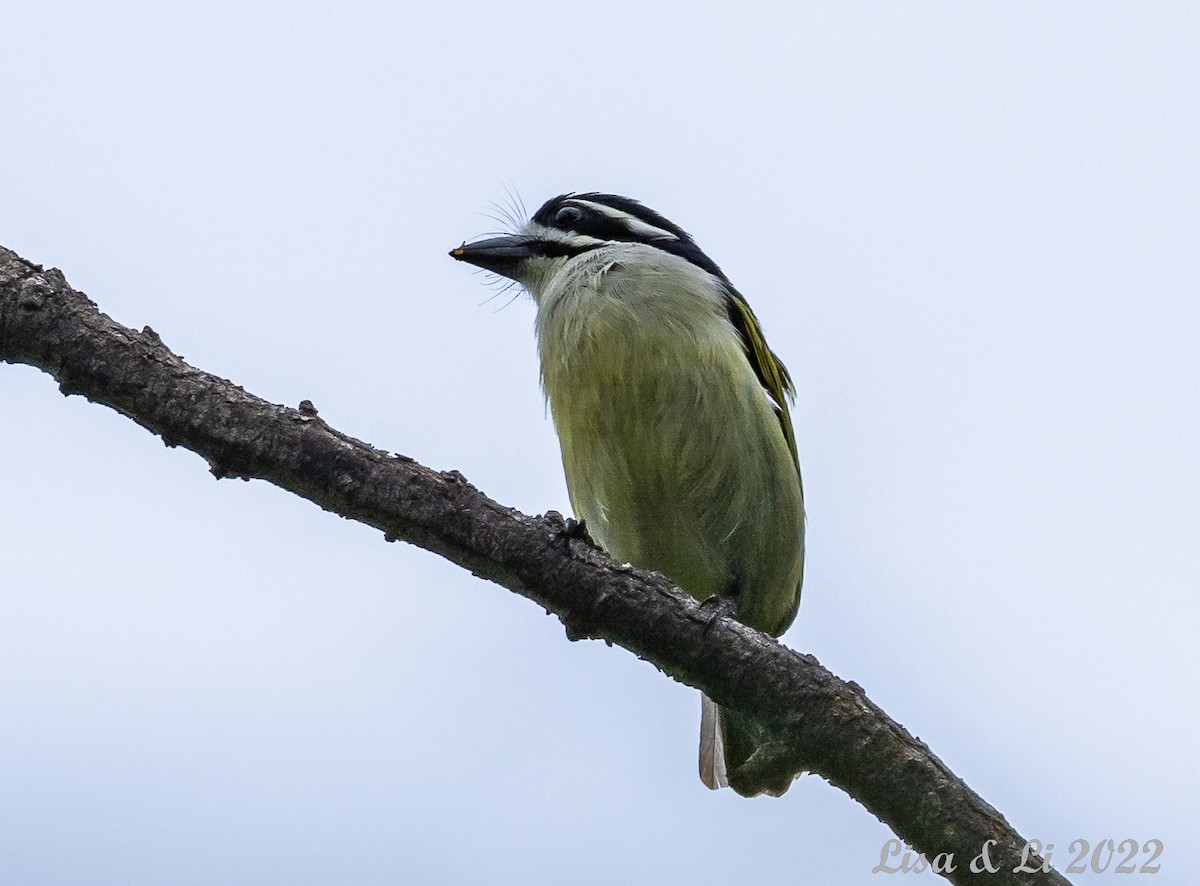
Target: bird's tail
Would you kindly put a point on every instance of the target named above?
(712, 746)
(727, 740)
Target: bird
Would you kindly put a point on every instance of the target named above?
(672, 417)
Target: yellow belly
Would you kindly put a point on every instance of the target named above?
(675, 457)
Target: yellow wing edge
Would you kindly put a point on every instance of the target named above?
(767, 366)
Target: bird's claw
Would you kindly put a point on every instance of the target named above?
(718, 607)
(573, 528)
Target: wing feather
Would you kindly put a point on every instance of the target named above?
(768, 367)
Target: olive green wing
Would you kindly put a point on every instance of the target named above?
(769, 368)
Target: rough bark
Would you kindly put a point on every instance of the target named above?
(818, 722)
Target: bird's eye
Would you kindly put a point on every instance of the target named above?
(568, 215)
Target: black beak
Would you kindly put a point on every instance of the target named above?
(501, 255)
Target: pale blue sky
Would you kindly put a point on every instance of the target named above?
(969, 229)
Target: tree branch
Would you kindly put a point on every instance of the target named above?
(816, 721)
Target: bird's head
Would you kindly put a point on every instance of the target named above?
(572, 225)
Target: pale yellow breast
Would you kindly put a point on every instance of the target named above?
(672, 451)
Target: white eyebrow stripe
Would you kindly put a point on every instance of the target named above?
(567, 238)
(579, 241)
(632, 222)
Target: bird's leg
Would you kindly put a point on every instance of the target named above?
(573, 528)
(720, 605)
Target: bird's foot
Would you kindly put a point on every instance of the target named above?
(718, 607)
(573, 528)
(568, 528)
